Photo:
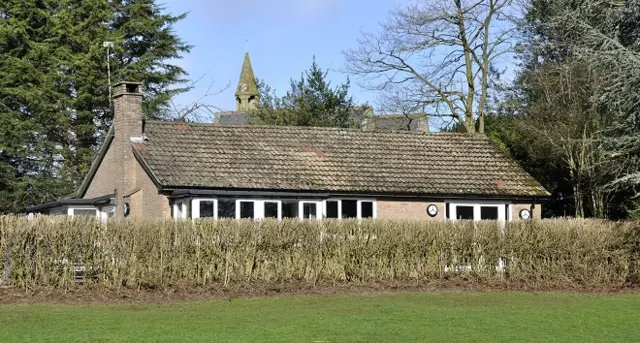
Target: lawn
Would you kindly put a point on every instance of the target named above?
(388, 317)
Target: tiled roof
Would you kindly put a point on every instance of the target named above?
(330, 159)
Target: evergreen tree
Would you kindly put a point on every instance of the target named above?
(54, 102)
(311, 101)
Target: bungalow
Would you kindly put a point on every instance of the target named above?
(182, 170)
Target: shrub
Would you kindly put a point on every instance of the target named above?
(136, 253)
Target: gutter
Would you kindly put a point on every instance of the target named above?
(177, 193)
(187, 193)
(100, 201)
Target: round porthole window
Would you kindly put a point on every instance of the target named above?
(432, 210)
(126, 208)
(525, 214)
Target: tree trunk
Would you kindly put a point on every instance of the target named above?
(578, 200)
(599, 204)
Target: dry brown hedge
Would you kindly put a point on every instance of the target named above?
(160, 254)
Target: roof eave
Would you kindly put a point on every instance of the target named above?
(103, 200)
(185, 191)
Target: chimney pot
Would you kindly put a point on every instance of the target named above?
(127, 88)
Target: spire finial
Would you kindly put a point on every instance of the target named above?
(246, 45)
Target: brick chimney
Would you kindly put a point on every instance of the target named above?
(127, 121)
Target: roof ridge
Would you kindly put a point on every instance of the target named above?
(317, 128)
(400, 115)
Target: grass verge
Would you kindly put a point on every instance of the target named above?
(377, 317)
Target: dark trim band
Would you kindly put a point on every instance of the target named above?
(100, 201)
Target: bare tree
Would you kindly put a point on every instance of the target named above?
(564, 123)
(604, 36)
(441, 53)
(198, 110)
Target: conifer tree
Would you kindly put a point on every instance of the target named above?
(311, 101)
(54, 105)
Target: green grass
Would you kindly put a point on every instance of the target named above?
(394, 317)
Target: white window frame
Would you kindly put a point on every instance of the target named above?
(324, 208)
(263, 207)
(503, 209)
(71, 210)
(239, 210)
(291, 201)
(195, 207)
(258, 207)
(319, 209)
(358, 207)
(217, 207)
(373, 205)
(183, 207)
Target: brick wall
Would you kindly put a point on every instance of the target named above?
(391, 209)
(144, 199)
(151, 203)
(127, 105)
(103, 182)
(516, 208)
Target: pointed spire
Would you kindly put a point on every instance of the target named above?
(247, 84)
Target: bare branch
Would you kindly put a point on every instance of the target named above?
(440, 52)
(198, 110)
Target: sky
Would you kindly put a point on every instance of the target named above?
(283, 36)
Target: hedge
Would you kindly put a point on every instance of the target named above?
(161, 254)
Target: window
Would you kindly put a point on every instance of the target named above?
(247, 209)
(464, 213)
(488, 213)
(206, 209)
(236, 209)
(226, 209)
(482, 210)
(289, 209)
(271, 209)
(349, 209)
(259, 209)
(309, 210)
(333, 209)
(366, 209)
(276, 209)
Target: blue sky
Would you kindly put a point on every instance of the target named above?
(283, 35)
